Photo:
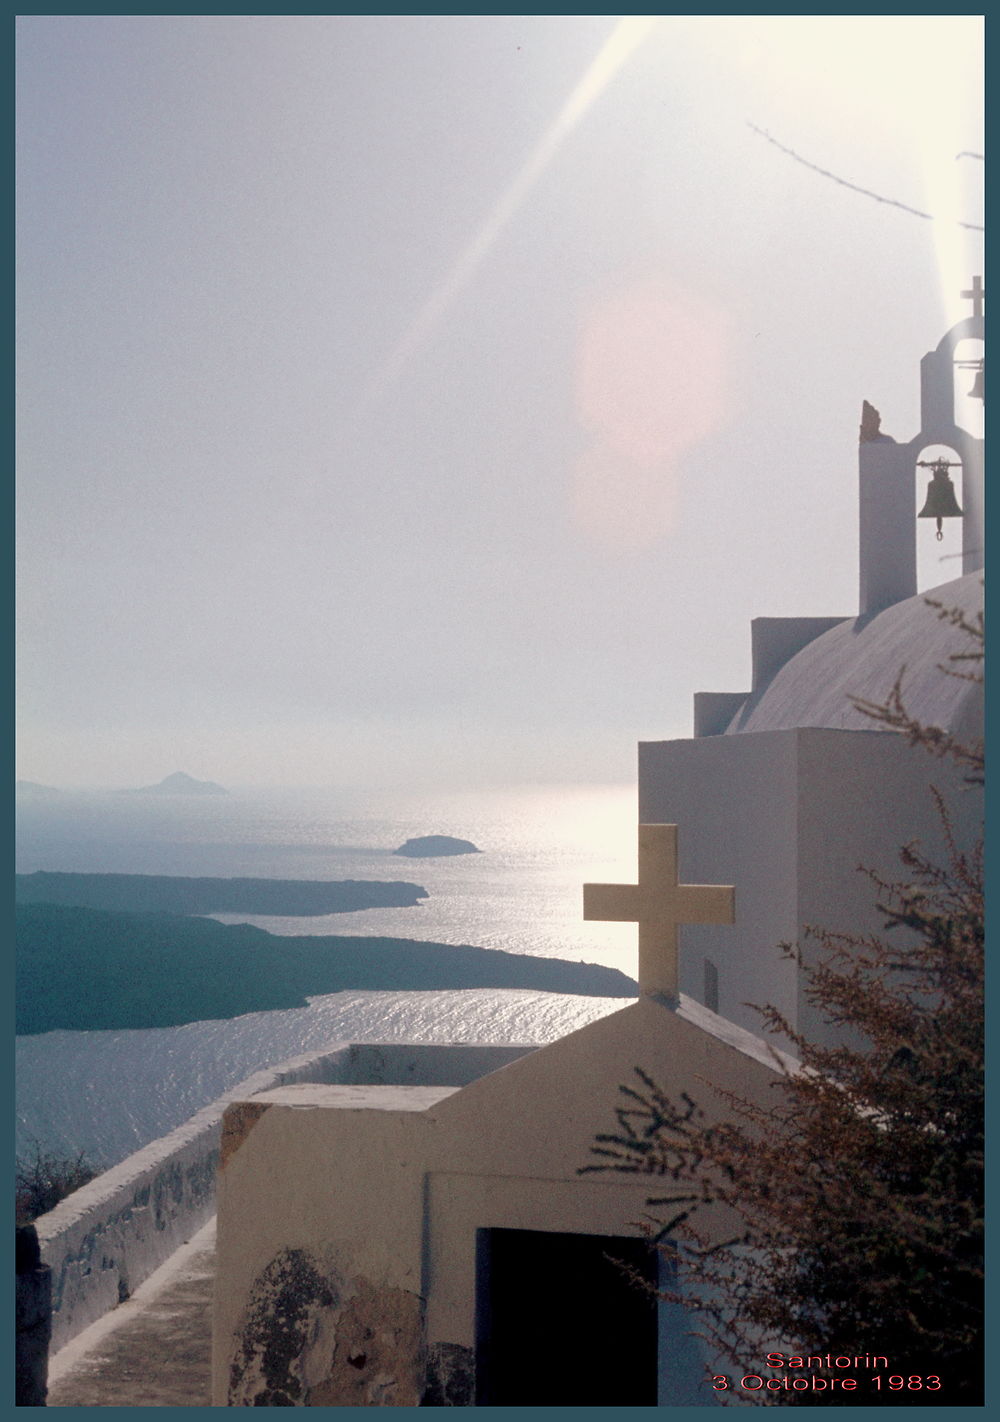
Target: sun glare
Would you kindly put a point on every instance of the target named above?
(624, 39)
(909, 86)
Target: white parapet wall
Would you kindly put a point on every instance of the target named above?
(105, 1239)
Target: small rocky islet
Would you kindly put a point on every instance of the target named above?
(433, 846)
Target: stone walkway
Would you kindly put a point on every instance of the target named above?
(154, 1350)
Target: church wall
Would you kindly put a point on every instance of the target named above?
(348, 1214)
(862, 796)
(572, 1086)
(523, 1172)
(347, 1231)
(735, 803)
(786, 817)
(319, 1252)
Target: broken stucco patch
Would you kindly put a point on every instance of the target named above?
(311, 1339)
(378, 1354)
(286, 1302)
(451, 1376)
(237, 1123)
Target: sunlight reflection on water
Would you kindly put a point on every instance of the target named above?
(110, 1092)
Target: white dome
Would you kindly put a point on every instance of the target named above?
(863, 656)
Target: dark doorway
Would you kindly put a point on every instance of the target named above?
(559, 1323)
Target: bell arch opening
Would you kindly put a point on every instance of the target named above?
(970, 382)
(938, 493)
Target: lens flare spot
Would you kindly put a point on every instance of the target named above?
(650, 386)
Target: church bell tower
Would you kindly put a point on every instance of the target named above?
(887, 472)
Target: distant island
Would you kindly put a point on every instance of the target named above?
(179, 784)
(167, 893)
(32, 790)
(81, 969)
(429, 846)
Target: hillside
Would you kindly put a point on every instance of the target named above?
(82, 969)
(167, 893)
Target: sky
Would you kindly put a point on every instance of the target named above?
(433, 400)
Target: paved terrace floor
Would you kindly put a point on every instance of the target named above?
(154, 1350)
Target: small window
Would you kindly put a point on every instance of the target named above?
(711, 986)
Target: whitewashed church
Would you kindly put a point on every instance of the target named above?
(420, 1243)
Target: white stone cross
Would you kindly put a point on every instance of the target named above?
(658, 903)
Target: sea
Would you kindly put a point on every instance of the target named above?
(108, 1093)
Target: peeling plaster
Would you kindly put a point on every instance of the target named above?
(451, 1376)
(378, 1360)
(312, 1339)
(280, 1320)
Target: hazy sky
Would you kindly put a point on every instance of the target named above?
(435, 399)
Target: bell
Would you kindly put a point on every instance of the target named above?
(941, 502)
(977, 392)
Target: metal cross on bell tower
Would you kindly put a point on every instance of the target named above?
(977, 295)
